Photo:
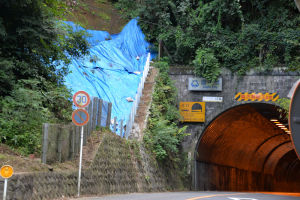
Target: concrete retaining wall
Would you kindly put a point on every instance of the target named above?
(120, 166)
(225, 178)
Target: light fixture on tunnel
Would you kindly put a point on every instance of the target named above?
(279, 124)
(284, 129)
(273, 120)
(288, 132)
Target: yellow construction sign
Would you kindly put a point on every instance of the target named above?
(256, 96)
(192, 111)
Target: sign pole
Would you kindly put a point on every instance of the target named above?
(5, 189)
(80, 160)
(6, 172)
(80, 117)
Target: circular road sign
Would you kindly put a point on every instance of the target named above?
(6, 171)
(81, 99)
(80, 117)
(294, 119)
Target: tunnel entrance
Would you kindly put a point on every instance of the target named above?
(247, 148)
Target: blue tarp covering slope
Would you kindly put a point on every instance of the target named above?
(107, 73)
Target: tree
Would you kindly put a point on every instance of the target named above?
(32, 43)
(241, 34)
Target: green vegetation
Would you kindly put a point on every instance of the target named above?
(163, 135)
(101, 1)
(284, 109)
(211, 34)
(284, 103)
(207, 65)
(32, 44)
(103, 16)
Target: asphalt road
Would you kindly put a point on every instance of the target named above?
(198, 195)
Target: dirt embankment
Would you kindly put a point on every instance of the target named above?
(98, 15)
(32, 163)
(92, 14)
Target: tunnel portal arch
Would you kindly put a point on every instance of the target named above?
(241, 149)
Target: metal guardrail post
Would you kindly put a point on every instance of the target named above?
(45, 142)
(94, 117)
(90, 123)
(72, 141)
(59, 143)
(108, 115)
(115, 124)
(121, 128)
(100, 103)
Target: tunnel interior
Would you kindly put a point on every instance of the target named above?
(247, 148)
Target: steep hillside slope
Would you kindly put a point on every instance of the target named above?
(120, 166)
(98, 15)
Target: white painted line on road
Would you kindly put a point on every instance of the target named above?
(214, 195)
(238, 198)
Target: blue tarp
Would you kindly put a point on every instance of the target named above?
(107, 73)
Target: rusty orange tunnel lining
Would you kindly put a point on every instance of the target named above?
(244, 138)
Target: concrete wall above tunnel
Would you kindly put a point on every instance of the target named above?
(244, 166)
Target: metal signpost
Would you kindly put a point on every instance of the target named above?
(80, 117)
(294, 119)
(6, 172)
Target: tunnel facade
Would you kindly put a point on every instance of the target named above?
(243, 150)
(260, 156)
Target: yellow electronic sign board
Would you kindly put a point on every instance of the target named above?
(192, 111)
(256, 96)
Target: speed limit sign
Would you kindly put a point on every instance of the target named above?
(81, 99)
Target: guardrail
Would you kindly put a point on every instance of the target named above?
(136, 102)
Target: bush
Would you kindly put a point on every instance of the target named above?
(237, 34)
(206, 65)
(163, 135)
(32, 44)
(23, 113)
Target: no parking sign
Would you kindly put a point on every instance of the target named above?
(80, 117)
